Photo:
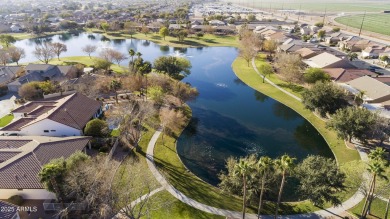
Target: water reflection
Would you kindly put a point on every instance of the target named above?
(164, 48)
(284, 112)
(118, 42)
(146, 43)
(65, 37)
(91, 37)
(261, 97)
(105, 39)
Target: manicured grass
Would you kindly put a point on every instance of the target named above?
(173, 208)
(191, 41)
(170, 165)
(378, 209)
(342, 154)
(251, 78)
(23, 36)
(135, 170)
(290, 87)
(378, 23)
(329, 5)
(85, 60)
(6, 120)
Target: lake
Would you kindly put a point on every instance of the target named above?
(229, 118)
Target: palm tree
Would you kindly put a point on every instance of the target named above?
(138, 54)
(378, 154)
(132, 54)
(359, 98)
(285, 164)
(376, 168)
(243, 168)
(115, 85)
(264, 166)
(351, 56)
(387, 208)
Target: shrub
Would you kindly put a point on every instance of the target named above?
(16, 200)
(104, 149)
(96, 128)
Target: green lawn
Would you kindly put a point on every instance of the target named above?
(250, 77)
(330, 5)
(173, 208)
(378, 209)
(192, 41)
(170, 165)
(6, 120)
(342, 154)
(378, 23)
(85, 60)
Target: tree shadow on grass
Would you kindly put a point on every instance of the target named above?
(189, 43)
(293, 87)
(156, 37)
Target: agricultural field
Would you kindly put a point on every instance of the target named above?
(378, 23)
(307, 5)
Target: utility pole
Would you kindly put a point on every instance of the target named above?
(323, 21)
(361, 26)
(299, 12)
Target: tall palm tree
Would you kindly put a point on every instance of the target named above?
(387, 208)
(376, 168)
(138, 54)
(376, 156)
(243, 168)
(132, 54)
(285, 164)
(264, 166)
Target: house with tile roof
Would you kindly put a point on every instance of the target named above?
(341, 75)
(374, 51)
(65, 116)
(327, 60)
(9, 211)
(8, 73)
(43, 72)
(22, 158)
(375, 91)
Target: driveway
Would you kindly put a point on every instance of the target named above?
(7, 104)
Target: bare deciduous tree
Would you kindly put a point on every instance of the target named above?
(44, 52)
(171, 120)
(112, 55)
(290, 66)
(58, 48)
(132, 116)
(92, 182)
(89, 49)
(16, 53)
(4, 56)
(249, 45)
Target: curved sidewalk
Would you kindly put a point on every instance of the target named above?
(328, 213)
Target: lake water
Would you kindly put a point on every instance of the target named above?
(229, 118)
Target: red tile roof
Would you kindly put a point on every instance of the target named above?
(345, 75)
(7, 214)
(8, 144)
(74, 110)
(21, 170)
(17, 124)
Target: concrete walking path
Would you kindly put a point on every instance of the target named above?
(137, 201)
(272, 83)
(327, 213)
